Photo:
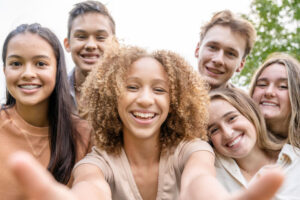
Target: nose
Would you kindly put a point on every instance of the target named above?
(218, 58)
(270, 91)
(29, 72)
(91, 44)
(145, 98)
(227, 131)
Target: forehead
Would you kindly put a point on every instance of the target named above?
(29, 44)
(224, 36)
(218, 107)
(147, 67)
(274, 71)
(91, 21)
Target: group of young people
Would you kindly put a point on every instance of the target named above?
(132, 124)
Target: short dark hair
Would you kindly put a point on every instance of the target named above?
(88, 7)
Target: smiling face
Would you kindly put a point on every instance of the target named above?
(30, 69)
(220, 54)
(271, 93)
(87, 40)
(231, 133)
(144, 105)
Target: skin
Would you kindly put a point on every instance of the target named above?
(220, 55)
(87, 43)
(234, 136)
(143, 107)
(272, 96)
(30, 73)
(141, 150)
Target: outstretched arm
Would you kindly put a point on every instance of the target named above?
(199, 182)
(37, 182)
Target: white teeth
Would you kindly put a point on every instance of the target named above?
(235, 141)
(91, 57)
(268, 104)
(29, 87)
(214, 71)
(144, 115)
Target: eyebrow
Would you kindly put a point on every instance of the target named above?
(225, 115)
(35, 57)
(227, 48)
(84, 31)
(155, 80)
(265, 79)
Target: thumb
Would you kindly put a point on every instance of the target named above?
(264, 188)
(34, 179)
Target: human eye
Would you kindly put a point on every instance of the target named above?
(212, 47)
(80, 36)
(100, 37)
(15, 63)
(41, 63)
(160, 90)
(261, 84)
(283, 87)
(232, 118)
(132, 88)
(213, 131)
(231, 54)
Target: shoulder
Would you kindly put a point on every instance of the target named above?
(5, 114)
(194, 145)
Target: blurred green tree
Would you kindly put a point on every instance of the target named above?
(277, 23)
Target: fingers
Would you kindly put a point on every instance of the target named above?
(265, 187)
(35, 180)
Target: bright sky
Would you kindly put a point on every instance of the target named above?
(153, 24)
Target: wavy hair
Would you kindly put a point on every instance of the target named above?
(188, 97)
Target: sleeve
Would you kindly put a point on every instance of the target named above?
(185, 150)
(101, 160)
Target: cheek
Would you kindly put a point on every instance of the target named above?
(257, 94)
(216, 140)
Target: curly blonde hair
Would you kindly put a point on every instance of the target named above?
(188, 97)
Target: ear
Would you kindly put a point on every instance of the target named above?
(197, 50)
(242, 64)
(67, 45)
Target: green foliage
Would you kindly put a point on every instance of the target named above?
(277, 23)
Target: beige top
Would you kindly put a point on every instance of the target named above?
(117, 171)
(229, 174)
(15, 135)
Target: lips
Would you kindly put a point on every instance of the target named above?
(235, 141)
(29, 86)
(268, 103)
(143, 115)
(90, 58)
(214, 71)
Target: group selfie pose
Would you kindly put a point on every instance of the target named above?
(128, 123)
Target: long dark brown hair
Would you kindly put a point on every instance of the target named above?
(62, 133)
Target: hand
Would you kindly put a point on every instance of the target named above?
(36, 181)
(264, 188)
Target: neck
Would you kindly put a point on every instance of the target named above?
(213, 87)
(278, 128)
(79, 77)
(250, 164)
(142, 153)
(36, 115)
